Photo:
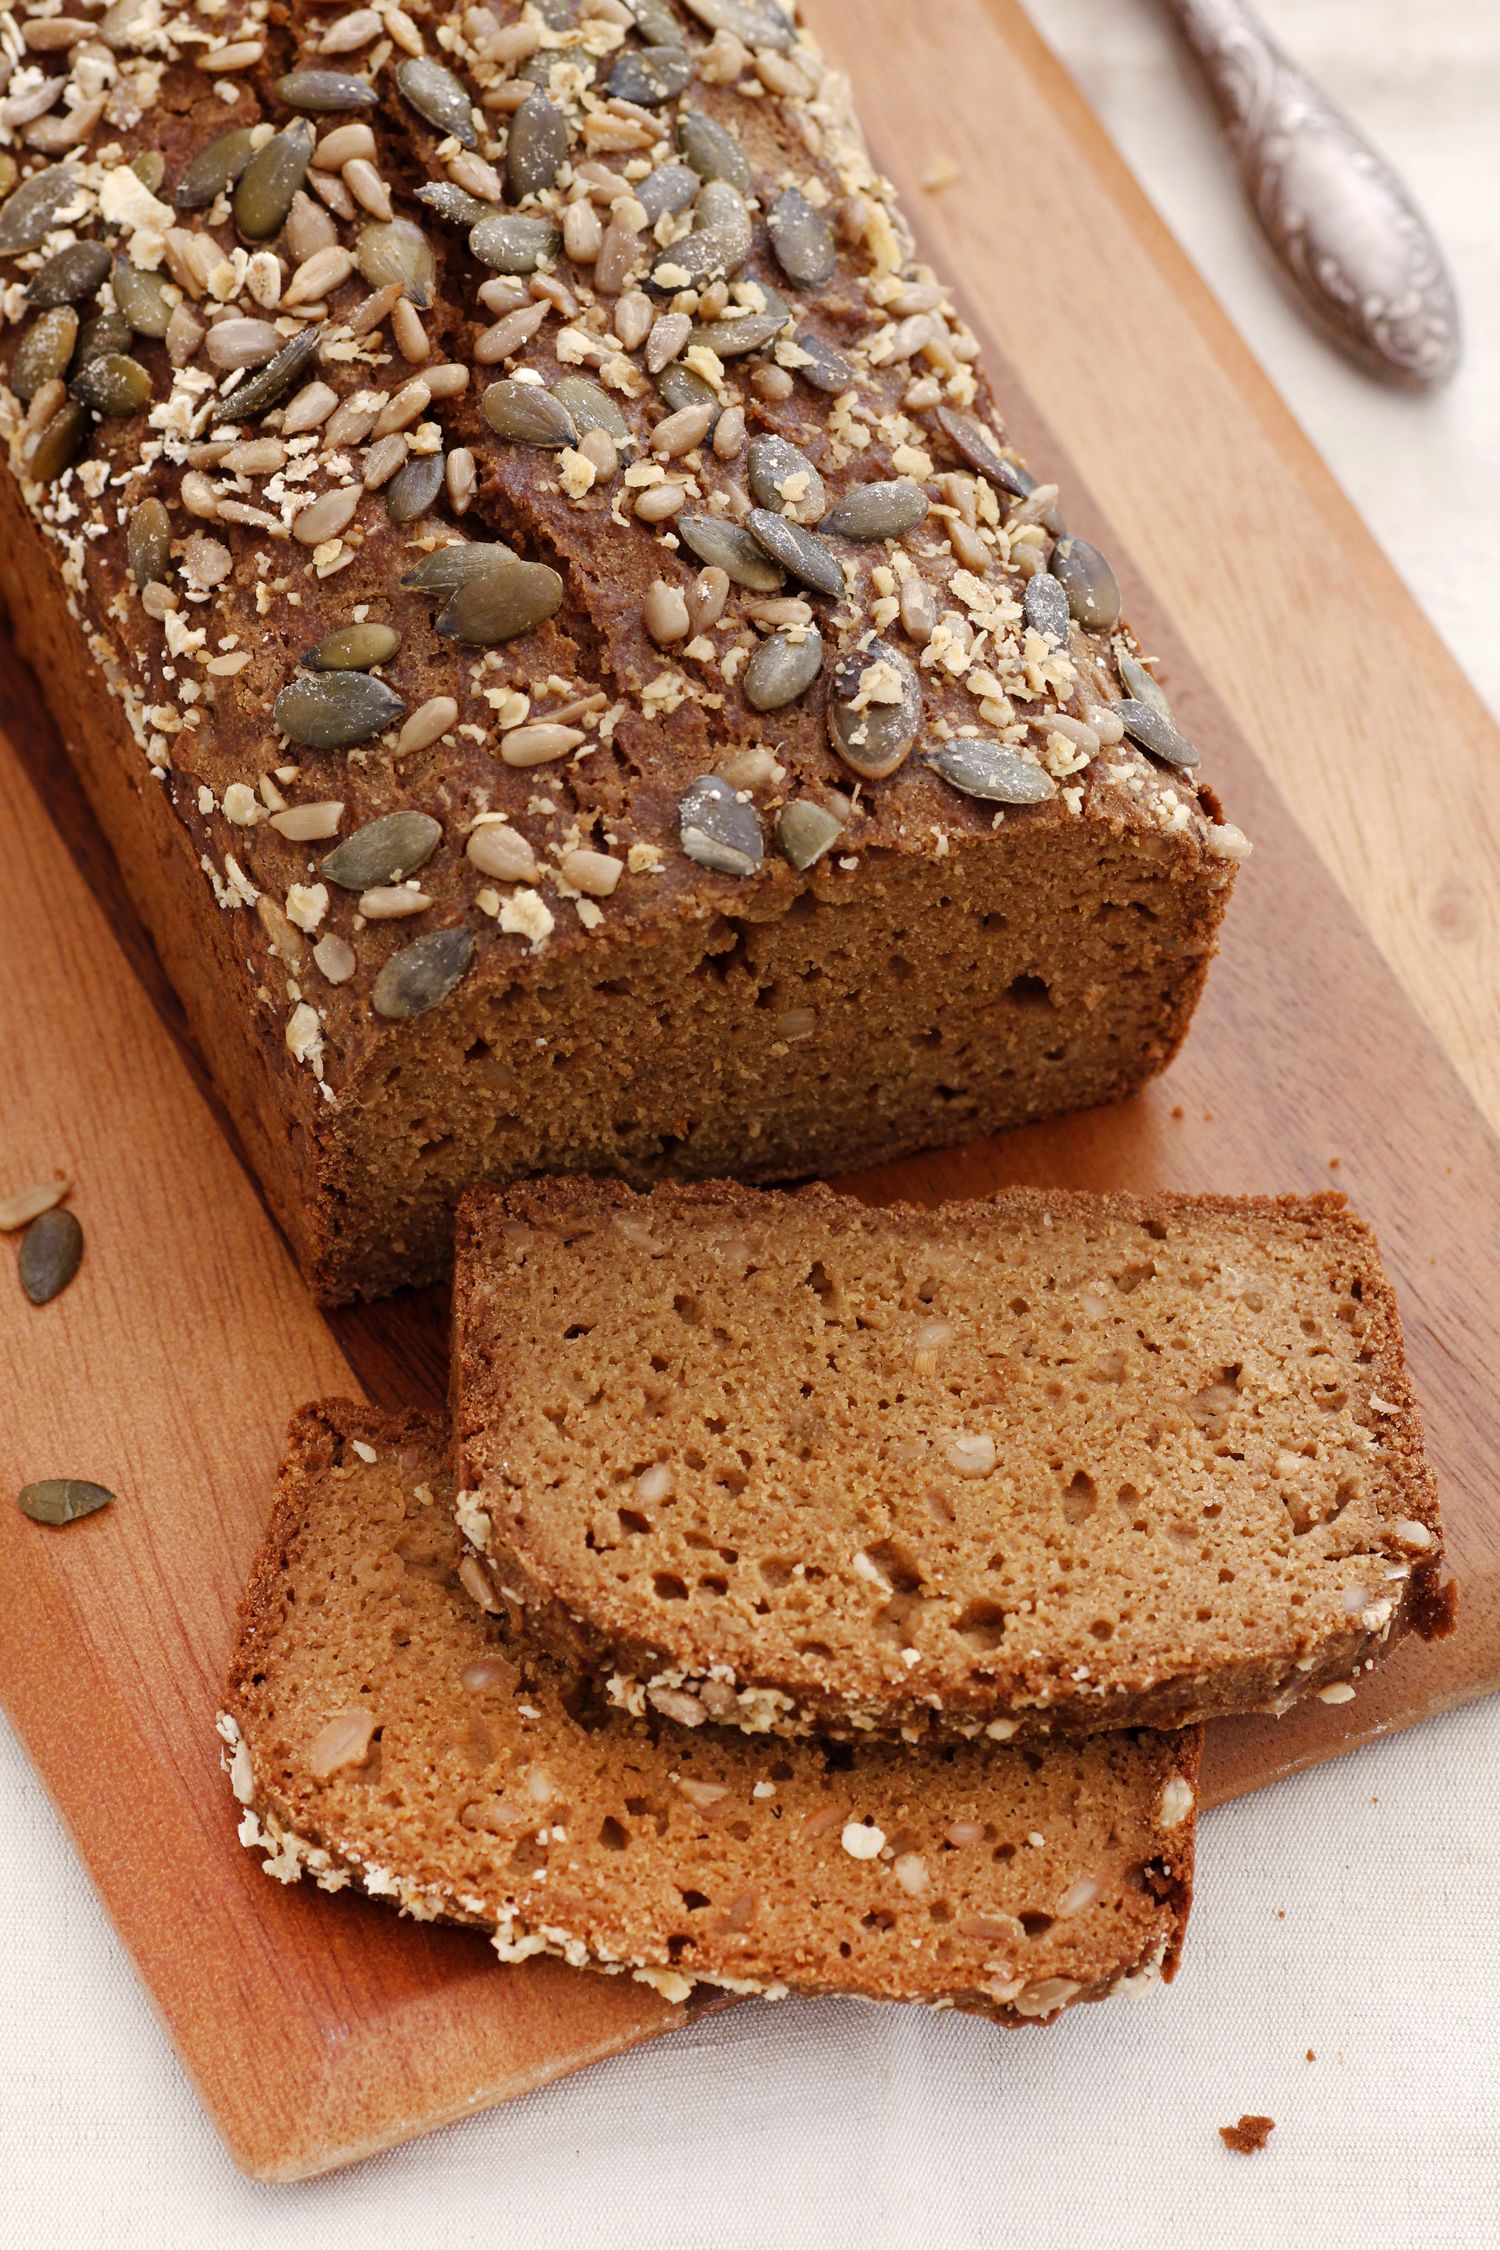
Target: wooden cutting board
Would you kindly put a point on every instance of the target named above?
(1348, 1038)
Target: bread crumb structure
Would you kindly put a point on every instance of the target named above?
(1043, 1462)
(382, 1733)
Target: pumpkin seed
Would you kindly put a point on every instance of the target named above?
(353, 648)
(59, 442)
(874, 708)
(28, 216)
(148, 542)
(773, 464)
(671, 188)
(975, 447)
(113, 384)
(332, 710)
(718, 246)
(537, 147)
(739, 333)
(60, 1500)
(783, 668)
(654, 21)
(108, 331)
(805, 831)
(264, 191)
(383, 851)
(802, 240)
(414, 488)
(454, 203)
(680, 386)
(1044, 606)
(591, 408)
(150, 168)
(1143, 685)
(396, 250)
(502, 603)
(513, 242)
(423, 973)
(712, 150)
(436, 95)
(215, 169)
(526, 414)
(991, 771)
(142, 298)
(44, 351)
(824, 368)
(320, 90)
(1090, 585)
(69, 274)
(717, 830)
(1156, 732)
(731, 548)
(759, 23)
(800, 552)
(877, 511)
(448, 568)
(260, 391)
(51, 1252)
(649, 76)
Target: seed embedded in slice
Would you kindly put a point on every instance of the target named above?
(758, 23)
(1137, 681)
(780, 476)
(215, 169)
(721, 241)
(44, 352)
(390, 250)
(734, 550)
(536, 149)
(801, 553)
(264, 191)
(874, 708)
(334, 710)
(383, 851)
(454, 203)
(29, 214)
(712, 150)
(802, 240)
(1156, 733)
(69, 275)
(513, 241)
(448, 568)
(436, 95)
(783, 668)
(977, 449)
(113, 384)
(513, 598)
(591, 408)
(717, 830)
(354, 648)
(527, 415)
(824, 368)
(1044, 606)
(742, 332)
(60, 1500)
(655, 22)
(989, 770)
(260, 392)
(877, 511)
(649, 76)
(805, 831)
(1091, 586)
(142, 297)
(51, 1252)
(680, 386)
(57, 447)
(324, 90)
(414, 488)
(671, 188)
(148, 542)
(423, 973)
(109, 331)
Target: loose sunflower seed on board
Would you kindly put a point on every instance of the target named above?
(782, 668)
(536, 149)
(397, 250)
(51, 1253)
(215, 169)
(69, 275)
(991, 771)
(1088, 581)
(423, 973)
(874, 708)
(264, 191)
(717, 830)
(877, 511)
(383, 851)
(800, 552)
(60, 1500)
(353, 648)
(334, 710)
(436, 95)
(501, 604)
(29, 1203)
(805, 831)
(513, 241)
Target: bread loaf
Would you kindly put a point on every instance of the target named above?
(383, 1734)
(1045, 1462)
(535, 584)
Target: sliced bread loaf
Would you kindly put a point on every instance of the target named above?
(384, 1733)
(1046, 1462)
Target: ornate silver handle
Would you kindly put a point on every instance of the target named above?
(1333, 211)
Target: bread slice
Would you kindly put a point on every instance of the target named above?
(1046, 1462)
(386, 1734)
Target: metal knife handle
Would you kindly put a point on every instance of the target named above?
(1333, 211)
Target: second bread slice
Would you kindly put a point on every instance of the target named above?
(1045, 1462)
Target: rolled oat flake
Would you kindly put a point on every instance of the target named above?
(60, 1500)
(51, 1253)
(717, 830)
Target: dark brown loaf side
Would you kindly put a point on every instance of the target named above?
(385, 1734)
(643, 915)
(1042, 1463)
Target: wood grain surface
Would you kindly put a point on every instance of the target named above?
(1352, 1002)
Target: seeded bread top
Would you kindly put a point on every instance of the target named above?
(385, 1733)
(294, 299)
(1042, 1461)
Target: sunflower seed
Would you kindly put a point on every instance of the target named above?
(1044, 606)
(734, 550)
(353, 648)
(877, 511)
(142, 297)
(800, 552)
(69, 274)
(321, 90)
(436, 95)
(243, 343)
(44, 351)
(743, 332)
(824, 368)
(670, 189)
(759, 23)
(108, 331)
(781, 476)
(215, 169)
(60, 1500)
(590, 408)
(537, 147)
(717, 830)
(1156, 732)
(51, 1251)
(395, 250)
(264, 191)
(718, 246)
(1143, 685)
(782, 668)
(976, 447)
(511, 599)
(260, 392)
(27, 216)
(802, 240)
(1089, 583)
(527, 415)
(805, 831)
(649, 76)
(712, 150)
(384, 851)
(448, 568)
(454, 203)
(989, 770)
(332, 710)
(26, 1204)
(59, 442)
(148, 542)
(414, 488)
(113, 384)
(874, 708)
(423, 973)
(512, 242)
(654, 21)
